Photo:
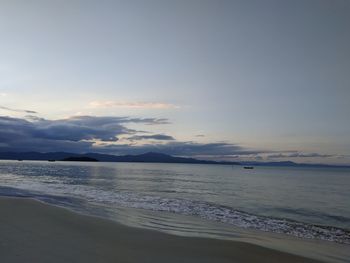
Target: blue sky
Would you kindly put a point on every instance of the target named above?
(233, 80)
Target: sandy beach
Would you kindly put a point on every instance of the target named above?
(31, 231)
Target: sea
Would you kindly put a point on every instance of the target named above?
(193, 199)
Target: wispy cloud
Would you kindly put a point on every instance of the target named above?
(132, 105)
(18, 110)
(77, 133)
(80, 134)
(159, 137)
(101, 134)
(298, 155)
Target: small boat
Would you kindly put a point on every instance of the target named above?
(51, 160)
(20, 160)
(248, 167)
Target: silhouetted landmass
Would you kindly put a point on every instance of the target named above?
(150, 157)
(293, 164)
(80, 159)
(153, 157)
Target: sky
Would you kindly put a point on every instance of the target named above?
(222, 80)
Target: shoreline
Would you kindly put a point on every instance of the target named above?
(33, 231)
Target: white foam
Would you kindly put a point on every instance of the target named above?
(56, 187)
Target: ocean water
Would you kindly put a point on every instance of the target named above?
(312, 203)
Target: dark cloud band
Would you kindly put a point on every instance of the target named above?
(18, 110)
(79, 134)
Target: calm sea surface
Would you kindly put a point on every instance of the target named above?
(303, 202)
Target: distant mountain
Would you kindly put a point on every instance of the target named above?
(80, 159)
(293, 164)
(150, 157)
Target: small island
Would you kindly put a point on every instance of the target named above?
(79, 159)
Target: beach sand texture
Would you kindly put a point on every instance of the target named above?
(31, 231)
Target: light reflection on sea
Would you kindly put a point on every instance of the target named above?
(206, 200)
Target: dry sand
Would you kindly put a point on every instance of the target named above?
(31, 231)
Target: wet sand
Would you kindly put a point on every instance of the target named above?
(31, 231)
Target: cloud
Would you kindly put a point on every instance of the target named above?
(132, 105)
(100, 134)
(160, 137)
(298, 155)
(76, 134)
(79, 134)
(18, 110)
(147, 121)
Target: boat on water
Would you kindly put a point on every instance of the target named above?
(248, 167)
(51, 160)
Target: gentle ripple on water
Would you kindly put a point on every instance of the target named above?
(267, 199)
